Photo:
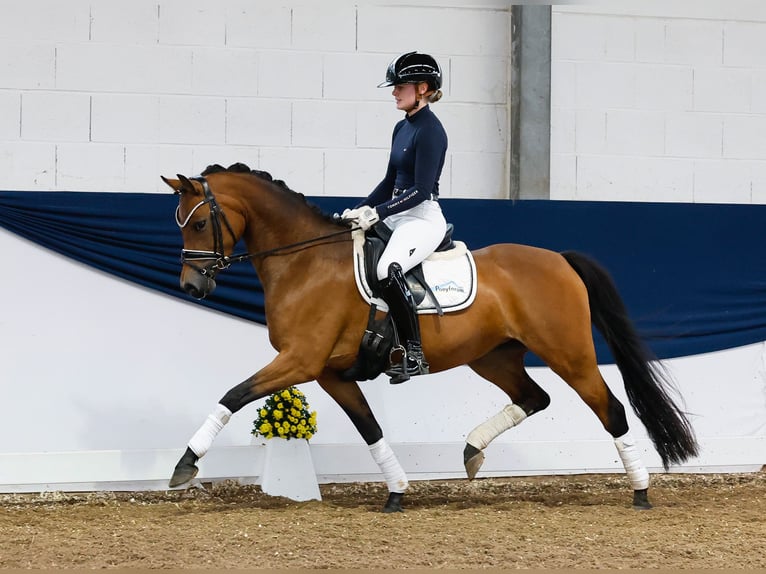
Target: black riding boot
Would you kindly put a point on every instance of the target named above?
(402, 307)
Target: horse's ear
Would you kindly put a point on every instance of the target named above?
(187, 185)
(175, 184)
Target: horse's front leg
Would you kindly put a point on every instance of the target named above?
(349, 397)
(285, 370)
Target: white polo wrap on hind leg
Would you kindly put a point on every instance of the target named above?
(203, 438)
(637, 472)
(389, 466)
(486, 432)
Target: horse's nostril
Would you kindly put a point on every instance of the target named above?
(193, 291)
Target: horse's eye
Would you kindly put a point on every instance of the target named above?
(200, 225)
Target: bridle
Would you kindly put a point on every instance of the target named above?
(217, 258)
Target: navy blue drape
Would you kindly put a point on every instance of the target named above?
(693, 276)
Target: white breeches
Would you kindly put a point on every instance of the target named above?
(417, 233)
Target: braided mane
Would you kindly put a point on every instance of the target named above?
(244, 168)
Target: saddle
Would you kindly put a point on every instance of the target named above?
(376, 239)
(444, 282)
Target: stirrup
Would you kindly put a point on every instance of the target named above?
(409, 365)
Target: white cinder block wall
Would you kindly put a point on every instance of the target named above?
(106, 96)
(659, 101)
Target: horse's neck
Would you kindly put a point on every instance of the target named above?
(277, 227)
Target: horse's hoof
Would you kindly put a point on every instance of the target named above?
(394, 502)
(473, 458)
(641, 500)
(182, 474)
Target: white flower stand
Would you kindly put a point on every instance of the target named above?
(288, 470)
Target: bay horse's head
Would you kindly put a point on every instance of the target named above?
(210, 226)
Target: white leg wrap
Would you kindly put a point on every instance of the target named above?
(213, 424)
(389, 466)
(486, 432)
(637, 472)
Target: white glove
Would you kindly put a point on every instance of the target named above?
(364, 216)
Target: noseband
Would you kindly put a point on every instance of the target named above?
(217, 256)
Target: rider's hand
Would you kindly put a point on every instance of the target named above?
(365, 216)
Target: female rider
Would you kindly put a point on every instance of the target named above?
(407, 198)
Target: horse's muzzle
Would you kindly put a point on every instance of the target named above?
(197, 285)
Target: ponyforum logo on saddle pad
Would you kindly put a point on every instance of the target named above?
(451, 276)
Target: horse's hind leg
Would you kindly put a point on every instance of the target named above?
(349, 397)
(583, 375)
(503, 366)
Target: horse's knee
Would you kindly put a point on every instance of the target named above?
(534, 403)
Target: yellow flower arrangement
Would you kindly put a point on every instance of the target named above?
(286, 414)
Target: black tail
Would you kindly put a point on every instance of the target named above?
(645, 381)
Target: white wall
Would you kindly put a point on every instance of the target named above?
(659, 101)
(106, 96)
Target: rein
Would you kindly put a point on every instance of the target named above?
(220, 260)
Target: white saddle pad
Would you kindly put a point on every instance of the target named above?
(451, 275)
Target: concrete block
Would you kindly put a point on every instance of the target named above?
(90, 167)
(375, 124)
(605, 85)
(188, 120)
(758, 185)
(191, 22)
(590, 135)
(722, 181)
(650, 39)
(10, 115)
(258, 25)
(289, 74)
(478, 79)
(592, 37)
(124, 23)
(55, 116)
(302, 169)
(577, 36)
(28, 66)
(225, 72)
(662, 87)
(563, 176)
(123, 68)
(355, 77)
(353, 173)
(744, 137)
(722, 89)
(46, 21)
(744, 44)
(144, 164)
(563, 130)
(28, 166)
(635, 132)
(326, 26)
(433, 29)
(225, 155)
(323, 124)
(694, 42)
(479, 175)
(258, 121)
(475, 128)
(563, 84)
(758, 87)
(123, 118)
(628, 178)
(694, 135)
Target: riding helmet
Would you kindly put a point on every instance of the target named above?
(413, 68)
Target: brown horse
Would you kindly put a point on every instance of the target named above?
(528, 299)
